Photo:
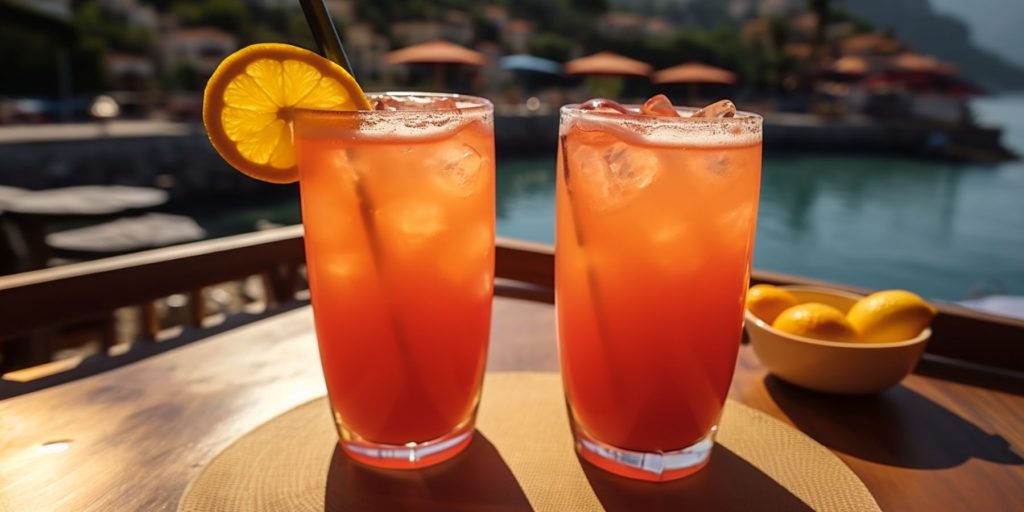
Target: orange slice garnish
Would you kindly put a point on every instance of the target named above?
(251, 97)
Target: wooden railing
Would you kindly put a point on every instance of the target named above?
(41, 301)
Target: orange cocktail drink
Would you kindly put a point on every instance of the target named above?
(398, 208)
(655, 230)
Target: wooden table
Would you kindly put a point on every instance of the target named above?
(137, 435)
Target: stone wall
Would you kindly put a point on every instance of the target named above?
(185, 164)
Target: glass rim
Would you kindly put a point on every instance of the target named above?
(741, 117)
(742, 129)
(477, 105)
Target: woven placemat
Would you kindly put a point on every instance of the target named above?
(521, 459)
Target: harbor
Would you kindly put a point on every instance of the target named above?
(177, 156)
(959, 214)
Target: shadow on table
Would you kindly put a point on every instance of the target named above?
(898, 427)
(727, 483)
(476, 479)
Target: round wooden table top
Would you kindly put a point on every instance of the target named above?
(133, 438)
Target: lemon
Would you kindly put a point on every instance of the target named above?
(890, 315)
(815, 320)
(766, 301)
(251, 97)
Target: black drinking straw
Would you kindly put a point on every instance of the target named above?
(325, 34)
(329, 44)
(327, 40)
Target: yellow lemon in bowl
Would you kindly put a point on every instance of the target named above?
(767, 302)
(817, 321)
(890, 315)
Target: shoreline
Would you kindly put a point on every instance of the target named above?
(803, 132)
(180, 158)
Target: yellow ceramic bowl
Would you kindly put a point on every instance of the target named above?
(830, 366)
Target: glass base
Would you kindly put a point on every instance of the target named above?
(409, 455)
(651, 466)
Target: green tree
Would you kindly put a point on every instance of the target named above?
(230, 15)
(552, 46)
(181, 77)
(821, 9)
(30, 51)
(30, 63)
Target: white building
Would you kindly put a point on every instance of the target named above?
(202, 48)
(365, 48)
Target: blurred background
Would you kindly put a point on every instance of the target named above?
(891, 139)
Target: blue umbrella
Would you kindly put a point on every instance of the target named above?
(530, 63)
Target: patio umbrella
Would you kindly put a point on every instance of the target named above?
(531, 73)
(918, 63)
(437, 53)
(949, 85)
(874, 43)
(694, 73)
(607, 63)
(844, 70)
(922, 73)
(529, 63)
(850, 65)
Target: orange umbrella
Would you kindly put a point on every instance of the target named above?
(436, 52)
(694, 73)
(870, 44)
(850, 65)
(607, 63)
(910, 61)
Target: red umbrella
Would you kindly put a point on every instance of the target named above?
(607, 63)
(916, 81)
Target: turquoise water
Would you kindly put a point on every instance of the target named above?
(945, 230)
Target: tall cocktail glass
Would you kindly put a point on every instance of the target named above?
(398, 208)
(655, 230)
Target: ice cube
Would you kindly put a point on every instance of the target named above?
(660, 106)
(718, 109)
(717, 164)
(342, 265)
(410, 223)
(458, 168)
(473, 245)
(671, 249)
(613, 174)
(392, 103)
(386, 103)
(605, 106)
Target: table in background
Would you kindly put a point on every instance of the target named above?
(34, 212)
